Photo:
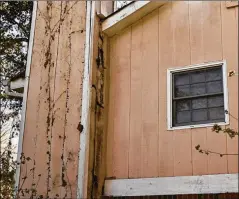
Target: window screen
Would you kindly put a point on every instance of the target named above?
(198, 97)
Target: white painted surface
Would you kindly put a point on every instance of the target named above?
(128, 15)
(193, 67)
(223, 183)
(86, 96)
(104, 8)
(24, 103)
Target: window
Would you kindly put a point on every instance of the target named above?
(197, 95)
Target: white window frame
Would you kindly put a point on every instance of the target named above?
(117, 7)
(194, 67)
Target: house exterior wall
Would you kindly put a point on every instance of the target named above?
(51, 137)
(175, 35)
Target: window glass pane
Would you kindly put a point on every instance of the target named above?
(197, 77)
(198, 89)
(182, 91)
(183, 117)
(214, 74)
(181, 79)
(183, 105)
(199, 115)
(199, 103)
(215, 101)
(195, 109)
(216, 113)
(214, 87)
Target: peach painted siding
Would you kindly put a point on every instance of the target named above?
(177, 34)
(51, 138)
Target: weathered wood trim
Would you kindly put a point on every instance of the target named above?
(26, 83)
(104, 8)
(128, 15)
(86, 100)
(223, 183)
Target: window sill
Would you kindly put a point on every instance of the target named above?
(197, 126)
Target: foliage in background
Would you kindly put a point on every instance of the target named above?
(15, 22)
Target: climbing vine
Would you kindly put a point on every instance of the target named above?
(232, 133)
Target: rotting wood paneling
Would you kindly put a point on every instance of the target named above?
(54, 100)
(188, 33)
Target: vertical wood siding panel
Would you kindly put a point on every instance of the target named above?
(136, 102)
(73, 109)
(165, 61)
(150, 96)
(199, 135)
(74, 77)
(122, 105)
(46, 99)
(59, 107)
(230, 54)
(212, 35)
(112, 91)
(32, 114)
(51, 61)
(182, 138)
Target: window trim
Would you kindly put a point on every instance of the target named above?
(170, 72)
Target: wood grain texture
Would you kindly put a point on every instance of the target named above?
(58, 25)
(30, 131)
(74, 95)
(212, 35)
(181, 57)
(199, 136)
(230, 54)
(166, 159)
(46, 97)
(186, 33)
(135, 155)
(59, 96)
(122, 105)
(150, 96)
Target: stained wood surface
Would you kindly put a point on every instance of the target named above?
(166, 146)
(53, 113)
(199, 136)
(31, 126)
(150, 96)
(136, 75)
(230, 53)
(213, 51)
(110, 129)
(181, 57)
(122, 105)
(177, 34)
